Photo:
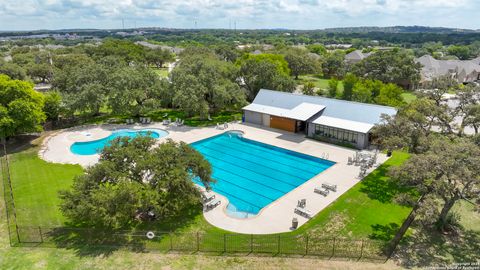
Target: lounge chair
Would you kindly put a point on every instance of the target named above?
(322, 191)
(207, 196)
(302, 203)
(148, 120)
(180, 122)
(350, 161)
(303, 212)
(219, 127)
(331, 187)
(225, 125)
(212, 204)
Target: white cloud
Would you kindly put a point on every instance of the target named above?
(214, 13)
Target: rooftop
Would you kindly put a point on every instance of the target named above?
(432, 67)
(348, 114)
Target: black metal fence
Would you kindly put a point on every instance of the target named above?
(191, 242)
(220, 243)
(8, 196)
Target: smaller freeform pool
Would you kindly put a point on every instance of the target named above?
(95, 147)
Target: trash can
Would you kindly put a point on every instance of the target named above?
(294, 223)
(389, 153)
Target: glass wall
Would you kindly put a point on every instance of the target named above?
(336, 134)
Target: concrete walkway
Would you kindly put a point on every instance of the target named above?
(275, 217)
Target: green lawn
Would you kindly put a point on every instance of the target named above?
(36, 184)
(162, 72)
(366, 210)
(319, 82)
(409, 97)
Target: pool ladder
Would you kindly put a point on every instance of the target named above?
(325, 155)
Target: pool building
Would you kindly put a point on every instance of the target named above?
(325, 119)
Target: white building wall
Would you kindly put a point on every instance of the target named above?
(253, 117)
(266, 120)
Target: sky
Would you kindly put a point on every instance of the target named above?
(246, 14)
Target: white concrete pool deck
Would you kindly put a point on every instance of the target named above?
(275, 217)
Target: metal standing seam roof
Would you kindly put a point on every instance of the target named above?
(302, 111)
(347, 114)
(343, 124)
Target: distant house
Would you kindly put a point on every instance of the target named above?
(464, 71)
(337, 46)
(356, 56)
(325, 119)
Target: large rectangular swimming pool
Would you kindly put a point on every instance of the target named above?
(253, 174)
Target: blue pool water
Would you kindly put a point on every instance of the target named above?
(253, 174)
(95, 147)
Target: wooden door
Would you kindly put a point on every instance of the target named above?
(282, 123)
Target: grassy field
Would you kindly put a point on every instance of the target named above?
(408, 97)
(319, 82)
(36, 185)
(366, 210)
(162, 72)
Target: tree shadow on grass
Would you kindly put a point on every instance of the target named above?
(379, 186)
(384, 232)
(428, 247)
(95, 241)
(19, 143)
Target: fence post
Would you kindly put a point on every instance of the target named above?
(306, 244)
(224, 243)
(40, 232)
(361, 250)
(198, 242)
(278, 247)
(251, 243)
(171, 241)
(333, 248)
